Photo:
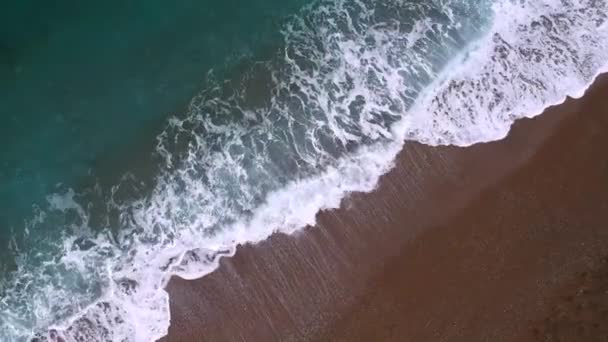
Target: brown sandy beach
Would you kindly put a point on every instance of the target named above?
(504, 241)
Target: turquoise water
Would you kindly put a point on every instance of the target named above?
(83, 81)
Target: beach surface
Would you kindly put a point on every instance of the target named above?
(502, 241)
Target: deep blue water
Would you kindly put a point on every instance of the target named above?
(83, 81)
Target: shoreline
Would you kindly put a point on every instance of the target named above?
(313, 284)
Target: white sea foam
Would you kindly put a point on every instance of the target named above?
(536, 55)
(354, 80)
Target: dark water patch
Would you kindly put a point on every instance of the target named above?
(84, 83)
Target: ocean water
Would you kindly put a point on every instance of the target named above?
(80, 81)
(142, 141)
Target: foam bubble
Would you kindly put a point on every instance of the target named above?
(535, 55)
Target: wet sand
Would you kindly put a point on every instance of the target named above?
(504, 241)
